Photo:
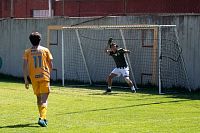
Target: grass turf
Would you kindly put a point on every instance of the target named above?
(88, 110)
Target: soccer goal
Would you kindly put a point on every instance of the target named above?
(155, 59)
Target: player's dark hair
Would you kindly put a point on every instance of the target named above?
(112, 44)
(35, 38)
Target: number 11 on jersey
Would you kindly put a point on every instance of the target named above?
(37, 61)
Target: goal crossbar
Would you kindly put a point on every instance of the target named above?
(59, 27)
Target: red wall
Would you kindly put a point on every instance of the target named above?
(4, 8)
(122, 7)
(163, 6)
(90, 7)
(24, 8)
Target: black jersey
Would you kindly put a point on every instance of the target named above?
(119, 58)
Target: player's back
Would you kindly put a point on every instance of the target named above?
(38, 63)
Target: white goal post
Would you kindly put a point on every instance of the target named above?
(155, 58)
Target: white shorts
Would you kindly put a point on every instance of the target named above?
(121, 71)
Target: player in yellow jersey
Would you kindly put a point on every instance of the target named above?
(38, 65)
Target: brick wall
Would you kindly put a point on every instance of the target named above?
(76, 8)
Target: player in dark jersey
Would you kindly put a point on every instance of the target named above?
(121, 65)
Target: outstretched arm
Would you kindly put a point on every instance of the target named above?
(126, 51)
(107, 49)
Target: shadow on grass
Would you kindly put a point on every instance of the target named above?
(121, 107)
(173, 93)
(182, 94)
(10, 79)
(21, 125)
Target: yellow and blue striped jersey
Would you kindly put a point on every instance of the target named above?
(38, 63)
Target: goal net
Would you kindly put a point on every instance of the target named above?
(155, 59)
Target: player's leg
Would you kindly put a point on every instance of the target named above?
(125, 73)
(36, 89)
(109, 81)
(42, 98)
(130, 83)
(42, 106)
(113, 74)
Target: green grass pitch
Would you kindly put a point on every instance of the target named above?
(88, 110)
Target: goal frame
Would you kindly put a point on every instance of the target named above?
(156, 28)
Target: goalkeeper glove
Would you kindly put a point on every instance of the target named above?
(110, 40)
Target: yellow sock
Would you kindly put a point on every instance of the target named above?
(43, 111)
